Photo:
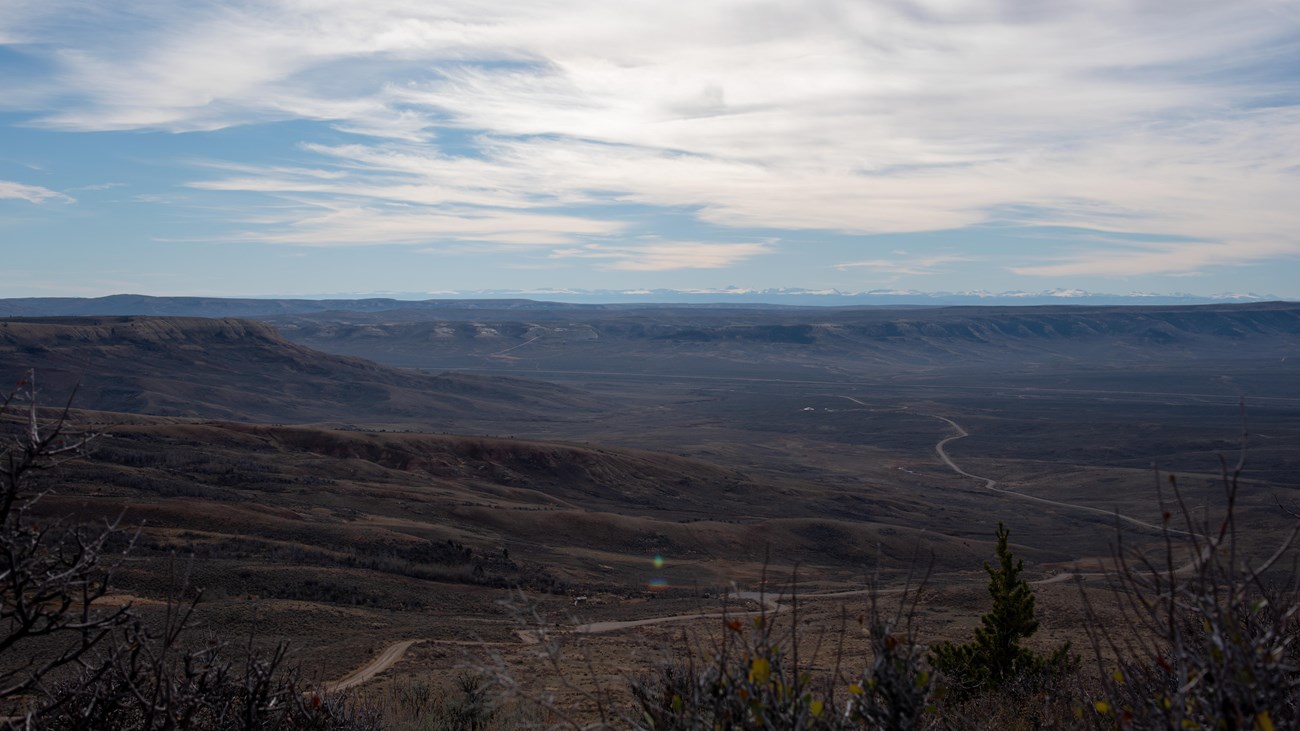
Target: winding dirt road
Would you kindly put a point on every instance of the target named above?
(514, 347)
(382, 662)
(529, 637)
(992, 484)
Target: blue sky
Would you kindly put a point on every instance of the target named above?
(310, 146)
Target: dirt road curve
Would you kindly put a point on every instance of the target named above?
(384, 661)
(991, 484)
(530, 637)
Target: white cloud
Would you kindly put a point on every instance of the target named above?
(841, 115)
(362, 225)
(100, 186)
(1180, 259)
(31, 193)
(918, 266)
(664, 256)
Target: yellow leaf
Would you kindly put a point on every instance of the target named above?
(817, 707)
(760, 670)
(855, 689)
(1117, 676)
(1102, 707)
(1263, 722)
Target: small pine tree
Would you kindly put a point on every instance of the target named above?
(996, 655)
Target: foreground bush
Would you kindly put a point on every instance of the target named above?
(752, 683)
(752, 678)
(1217, 640)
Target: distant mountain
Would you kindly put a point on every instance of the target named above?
(553, 299)
(880, 297)
(138, 304)
(243, 370)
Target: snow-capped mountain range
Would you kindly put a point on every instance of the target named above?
(822, 297)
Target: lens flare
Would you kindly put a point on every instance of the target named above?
(659, 562)
(657, 584)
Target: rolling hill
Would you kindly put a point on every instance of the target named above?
(243, 370)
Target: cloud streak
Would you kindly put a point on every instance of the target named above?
(1180, 259)
(31, 193)
(665, 256)
(513, 123)
(916, 266)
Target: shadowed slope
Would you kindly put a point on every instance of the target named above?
(238, 369)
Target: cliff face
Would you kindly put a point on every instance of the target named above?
(844, 340)
(989, 324)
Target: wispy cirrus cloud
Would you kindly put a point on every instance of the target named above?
(100, 186)
(914, 266)
(341, 224)
(1171, 259)
(664, 256)
(514, 123)
(31, 193)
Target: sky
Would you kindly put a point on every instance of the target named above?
(299, 147)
